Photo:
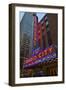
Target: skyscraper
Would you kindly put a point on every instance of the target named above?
(26, 34)
(26, 38)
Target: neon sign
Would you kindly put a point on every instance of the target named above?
(44, 59)
(35, 30)
(42, 56)
(42, 53)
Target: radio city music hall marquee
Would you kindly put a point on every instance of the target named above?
(42, 56)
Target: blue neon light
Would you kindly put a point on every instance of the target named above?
(44, 59)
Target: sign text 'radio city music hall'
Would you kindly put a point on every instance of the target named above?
(43, 54)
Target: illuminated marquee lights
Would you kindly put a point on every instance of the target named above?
(43, 55)
(44, 59)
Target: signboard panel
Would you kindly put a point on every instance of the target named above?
(42, 56)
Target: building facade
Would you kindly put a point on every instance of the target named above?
(53, 22)
(38, 36)
(26, 27)
(26, 37)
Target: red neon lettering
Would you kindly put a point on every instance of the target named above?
(45, 51)
(40, 55)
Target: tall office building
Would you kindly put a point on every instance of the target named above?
(26, 35)
(26, 38)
